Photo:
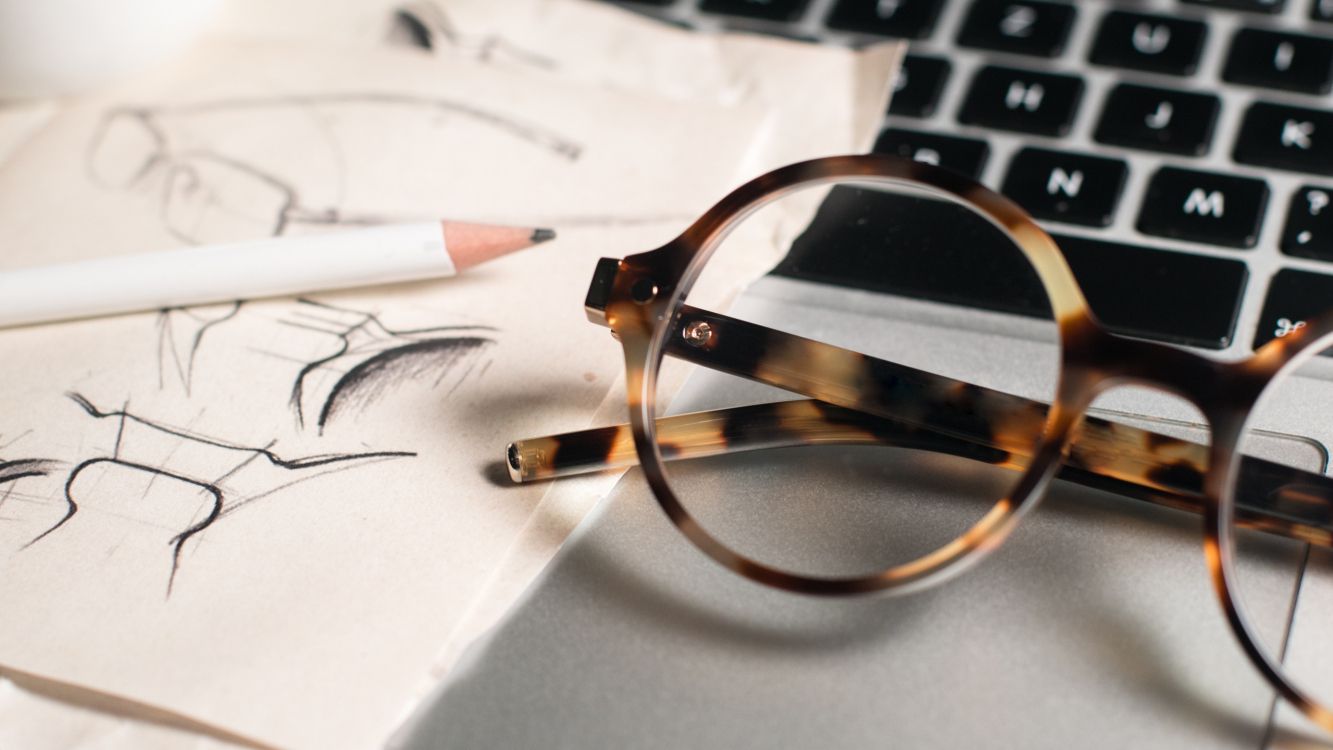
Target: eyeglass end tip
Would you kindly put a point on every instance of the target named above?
(514, 461)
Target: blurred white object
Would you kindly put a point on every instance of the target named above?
(54, 47)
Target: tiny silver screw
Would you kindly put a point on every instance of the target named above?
(697, 333)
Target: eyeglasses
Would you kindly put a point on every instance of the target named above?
(835, 450)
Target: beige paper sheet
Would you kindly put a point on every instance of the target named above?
(398, 578)
(39, 714)
(363, 24)
(231, 559)
(19, 121)
(815, 97)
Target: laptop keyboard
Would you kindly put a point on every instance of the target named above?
(1181, 150)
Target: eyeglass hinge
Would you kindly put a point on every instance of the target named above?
(599, 292)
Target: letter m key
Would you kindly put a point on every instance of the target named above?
(1206, 203)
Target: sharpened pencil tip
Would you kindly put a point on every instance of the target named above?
(542, 235)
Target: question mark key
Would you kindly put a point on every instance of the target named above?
(1309, 230)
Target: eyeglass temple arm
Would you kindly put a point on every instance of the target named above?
(806, 422)
(873, 401)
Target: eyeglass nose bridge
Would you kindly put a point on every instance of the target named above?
(1096, 361)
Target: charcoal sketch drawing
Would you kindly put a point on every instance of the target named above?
(427, 20)
(370, 358)
(207, 194)
(180, 333)
(202, 191)
(221, 475)
(354, 359)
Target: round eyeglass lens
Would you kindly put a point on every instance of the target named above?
(1281, 531)
(857, 377)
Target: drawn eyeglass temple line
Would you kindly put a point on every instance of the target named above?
(145, 130)
(210, 196)
(207, 465)
(183, 353)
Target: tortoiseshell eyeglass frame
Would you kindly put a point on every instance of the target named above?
(854, 398)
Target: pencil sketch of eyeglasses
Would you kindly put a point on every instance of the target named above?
(206, 168)
(182, 481)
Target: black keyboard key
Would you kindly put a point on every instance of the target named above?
(1254, 6)
(902, 19)
(1272, 59)
(1204, 207)
(772, 10)
(1022, 100)
(1026, 27)
(1174, 122)
(917, 89)
(1309, 229)
(1060, 186)
(859, 240)
(1294, 297)
(1158, 294)
(963, 155)
(1321, 10)
(1157, 44)
(1294, 138)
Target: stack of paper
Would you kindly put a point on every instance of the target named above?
(179, 540)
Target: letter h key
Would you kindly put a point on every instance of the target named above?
(1022, 100)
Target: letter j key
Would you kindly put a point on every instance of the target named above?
(1175, 122)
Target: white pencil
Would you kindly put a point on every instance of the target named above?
(250, 270)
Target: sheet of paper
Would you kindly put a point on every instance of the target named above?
(815, 98)
(842, 93)
(354, 23)
(182, 527)
(245, 142)
(38, 717)
(19, 121)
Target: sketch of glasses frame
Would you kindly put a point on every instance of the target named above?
(194, 185)
(852, 398)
